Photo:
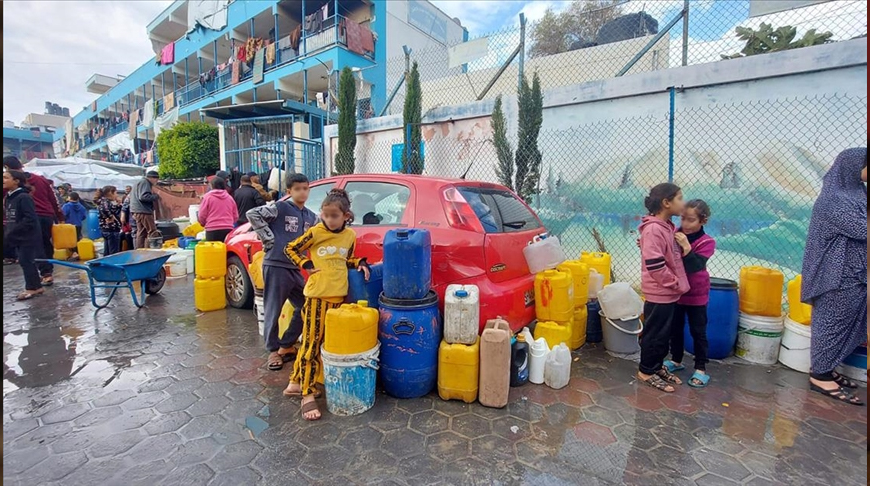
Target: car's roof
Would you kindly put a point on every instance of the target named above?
(401, 177)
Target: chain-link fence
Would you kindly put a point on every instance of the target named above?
(598, 39)
(759, 165)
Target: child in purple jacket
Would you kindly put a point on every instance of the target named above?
(663, 282)
(697, 248)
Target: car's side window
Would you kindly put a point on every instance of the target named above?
(378, 203)
(316, 196)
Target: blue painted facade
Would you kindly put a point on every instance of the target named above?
(25, 143)
(202, 46)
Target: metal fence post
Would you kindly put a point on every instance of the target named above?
(522, 60)
(673, 92)
(685, 32)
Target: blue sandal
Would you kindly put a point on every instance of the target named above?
(673, 367)
(699, 380)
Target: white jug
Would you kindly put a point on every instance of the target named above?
(544, 254)
(557, 369)
(596, 281)
(537, 360)
(619, 301)
(461, 314)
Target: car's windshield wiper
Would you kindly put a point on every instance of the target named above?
(515, 224)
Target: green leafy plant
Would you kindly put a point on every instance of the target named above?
(767, 39)
(190, 149)
(504, 169)
(528, 156)
(345, 162)
(412, 115)
(559, 32)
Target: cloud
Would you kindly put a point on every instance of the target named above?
(53, 47)
(479, 16)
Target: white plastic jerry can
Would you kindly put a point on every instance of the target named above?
(461, 314)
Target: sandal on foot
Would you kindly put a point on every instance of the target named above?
(29, 294)
(311, 407)
(699, 380)
(47, 281)
(288, 356)
(668, 376)
(275, 361)
(843, 381)
(673, 367)
(840, 394)
(298, 393)
(658, 383)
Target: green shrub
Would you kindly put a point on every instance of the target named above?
(188, 150)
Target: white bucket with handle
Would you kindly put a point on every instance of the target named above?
(621, 336)
(794, 350)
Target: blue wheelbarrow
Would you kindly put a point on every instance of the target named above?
(121, 270)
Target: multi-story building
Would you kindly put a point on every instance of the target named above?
(34, 136)
(269, 62)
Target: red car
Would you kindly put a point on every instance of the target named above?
(478, 233)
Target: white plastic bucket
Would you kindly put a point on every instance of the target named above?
(261, 313)
(176, 266)
(193, 213)
(621, 336)
(350, 381)
(759, 338)
(794, 351)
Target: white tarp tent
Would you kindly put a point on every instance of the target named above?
(84, 176)
(127, 169)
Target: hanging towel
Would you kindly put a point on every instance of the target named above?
(240, 53)
(295, 36)
(237, 73)
(368, 41)
(354, 37)
(167, 55)
(169, 101)
(148, 113)
(134, 119)
(314, 22)
(270, 53)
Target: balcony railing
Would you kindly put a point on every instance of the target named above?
(332, 34)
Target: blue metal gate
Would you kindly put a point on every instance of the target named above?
(261, 144)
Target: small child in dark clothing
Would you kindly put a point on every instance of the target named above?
(110, 220)
(22, 230)
(74, 212)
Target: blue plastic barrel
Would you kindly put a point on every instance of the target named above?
(358, 289)
(350, 381)
(407, 263)
(723, 313)
(94, 224)
(409, 332)
(593, 322)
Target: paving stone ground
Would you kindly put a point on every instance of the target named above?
(161, 395)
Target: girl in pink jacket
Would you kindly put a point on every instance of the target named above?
(663, 282)
(217, 211)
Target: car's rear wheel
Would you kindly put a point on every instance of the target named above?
(240, 291)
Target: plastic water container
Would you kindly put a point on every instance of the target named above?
(761, 291)
(553, 332)
(61, 254)
(349, 380)
(554, 296)
(593, 323)
(176, 266)
(410, 334)
(495, 363)
(260, 312)
(794, 350)
(578, 328)
(407, 263)
(93, 224)
(192, 230)
(461, 314)
(596, 283)
(759, 338)
(193, 214)
(598, 261)
(539, 349)
(722, 320)
(63, 236)
(255, 270)
(520, 358)
(580, 276)
(209, 294)
(458, 371)
(619, 301)
(211, 259)
(798, 311)
(358, 289)
(351, 329)
(544, 254)
(86, 250)
(557, 368)
(621, 336)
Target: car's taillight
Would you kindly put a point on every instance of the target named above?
(459, 212)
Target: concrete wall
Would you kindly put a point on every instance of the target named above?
(41, 120)
(602, 128)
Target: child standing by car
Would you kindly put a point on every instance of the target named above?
(697, 248)
(110, 220)
(74, 212)
(663, 282)
(22, 230)
(331, 245)
(278, 224)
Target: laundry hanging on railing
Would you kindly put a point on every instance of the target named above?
(165, 121)
(148, 113)
(208, 14)
(119, 142)
(314, 22)
(367, 38)
(237, 73)
(252, 45)
(134, 119)
(169, 101)
(167, 55)
(270, 53)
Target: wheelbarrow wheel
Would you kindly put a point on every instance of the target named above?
(154, 285)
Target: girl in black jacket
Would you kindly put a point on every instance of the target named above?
(22, 230)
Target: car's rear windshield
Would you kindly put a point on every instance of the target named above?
(499, 210)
